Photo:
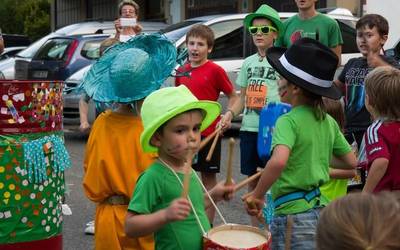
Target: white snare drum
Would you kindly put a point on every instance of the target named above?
(234, 236)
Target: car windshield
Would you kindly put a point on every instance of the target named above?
(176, 31)
(54, 49)
(32, 49)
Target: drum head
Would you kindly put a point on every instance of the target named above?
(234, 236)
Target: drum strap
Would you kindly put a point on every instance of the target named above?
(308, 196)
(188, 197)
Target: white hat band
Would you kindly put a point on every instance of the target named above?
(304, 75)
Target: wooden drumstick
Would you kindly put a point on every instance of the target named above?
(209, 137)
(188, 171)
(230, 162)
(246, 181)
(211, 151)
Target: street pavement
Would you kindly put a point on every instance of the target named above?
(83, 209)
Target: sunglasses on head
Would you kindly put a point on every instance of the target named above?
(265, 30)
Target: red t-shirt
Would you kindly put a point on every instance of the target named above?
(205, 82)
(382, 140)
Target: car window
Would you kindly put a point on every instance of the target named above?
(91, 50)
(54, 49)
(228, 40)
(33, 48)
(349, 36)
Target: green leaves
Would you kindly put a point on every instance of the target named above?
(28, 17)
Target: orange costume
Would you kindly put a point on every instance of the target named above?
(113, 162)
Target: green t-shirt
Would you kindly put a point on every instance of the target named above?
(156, 188)
(320, 27)
(261, 83)
(334, 188)
(311, 143)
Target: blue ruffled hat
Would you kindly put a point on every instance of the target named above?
(132, 70)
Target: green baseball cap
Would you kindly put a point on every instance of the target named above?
(166, 103)
(265, 11)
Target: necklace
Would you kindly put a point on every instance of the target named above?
(260, 57)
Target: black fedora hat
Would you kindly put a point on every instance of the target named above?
(307, 64)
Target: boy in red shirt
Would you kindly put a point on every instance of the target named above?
(382, 88)
(205, 80)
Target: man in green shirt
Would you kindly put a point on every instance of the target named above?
(310, 23)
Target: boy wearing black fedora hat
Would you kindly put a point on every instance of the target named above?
(258, 87)
(303, 143)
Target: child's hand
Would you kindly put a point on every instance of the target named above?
(222, 191)
(226, 121)
(178, 210)
(253, 205)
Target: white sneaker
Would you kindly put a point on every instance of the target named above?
(89, 228)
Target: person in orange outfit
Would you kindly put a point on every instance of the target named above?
(125, 74)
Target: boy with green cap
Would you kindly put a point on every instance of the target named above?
(173, 119)
(258, 83)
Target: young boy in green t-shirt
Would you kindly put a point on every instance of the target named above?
(173, 120)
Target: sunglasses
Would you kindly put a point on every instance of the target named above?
(265, 30)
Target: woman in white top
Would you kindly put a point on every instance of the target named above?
(126, 26)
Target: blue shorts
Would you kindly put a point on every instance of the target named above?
(249, 159)
(304, 229)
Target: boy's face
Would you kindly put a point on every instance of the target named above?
(179, 135)
(369, 40)
(305, 4)
(260, 39)
(198, 50)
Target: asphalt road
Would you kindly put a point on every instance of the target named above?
(83, 210)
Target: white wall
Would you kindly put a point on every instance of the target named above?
(390, 9)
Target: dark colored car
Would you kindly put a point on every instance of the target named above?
(17, 67)
(13, 40)
(61, 56)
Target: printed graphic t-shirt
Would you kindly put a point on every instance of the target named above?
(320, 27)
(261, 83)
(353, 76)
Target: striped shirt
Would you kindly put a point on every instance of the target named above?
(383, 141)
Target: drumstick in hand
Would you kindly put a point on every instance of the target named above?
(211, 151)
(209, 137)
(230, 162)
(246, 181)
(188, 171)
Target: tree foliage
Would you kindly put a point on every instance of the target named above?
(28, 17)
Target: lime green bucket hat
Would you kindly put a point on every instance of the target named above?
(267, 12)
(166, 103)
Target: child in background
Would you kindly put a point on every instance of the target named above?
(337, 185)
(382, 88)
(173, 119)
(372, 33)
(206, 80)
(301, 155)
(113, 157)
(258, 87)
(360, 222)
